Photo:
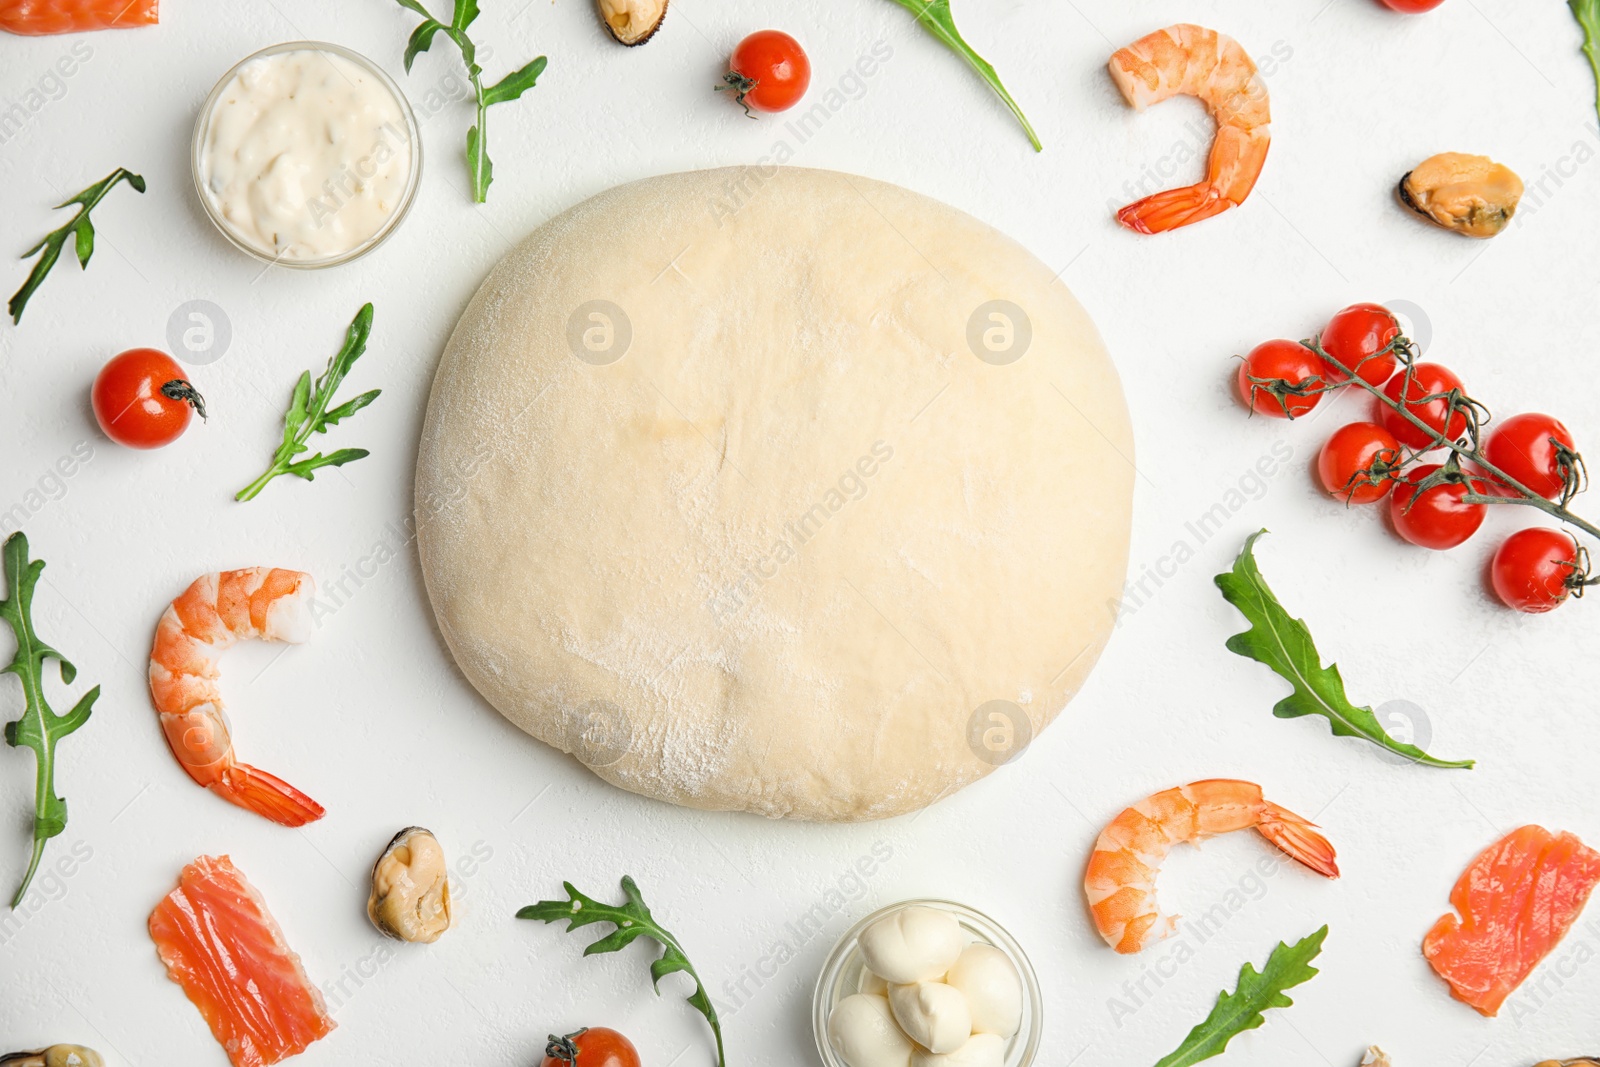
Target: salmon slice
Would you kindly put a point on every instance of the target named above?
(221, 945)
(33, 18)
(1516, 902)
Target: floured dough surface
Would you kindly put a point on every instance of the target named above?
(787, 491)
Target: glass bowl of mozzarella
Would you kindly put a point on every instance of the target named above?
(927, 983)
(306, 155)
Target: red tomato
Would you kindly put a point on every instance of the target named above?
(769, 71)
(1424, 398)
(1525, 447)
(1269, 365)
(142, 399)
(1347, 462)
(1536, 569)
(593, 1047)
(1440, 518)
(1411, 7)
(1359, 337)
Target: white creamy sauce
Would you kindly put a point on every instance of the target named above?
(306, 155)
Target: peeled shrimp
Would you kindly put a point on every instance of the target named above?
(213, 613)
(1121, 880)
(1188, 60)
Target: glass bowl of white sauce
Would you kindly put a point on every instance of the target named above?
(306, 155)
(844, 973)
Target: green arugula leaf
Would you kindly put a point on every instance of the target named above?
(38, 728)
(421, 39)
(309, 412)
(937, 19)
(511, 87)
(1282, 642)
(80, 229)
(1587, 12)
(1236, 1012)
(631, 921)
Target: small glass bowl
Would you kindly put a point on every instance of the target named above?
(842, 972)
(413, 180)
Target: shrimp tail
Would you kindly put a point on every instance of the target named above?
(1172, 208)
(1298, 838)
(267, 795)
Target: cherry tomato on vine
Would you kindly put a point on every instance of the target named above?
(1411, 7)
(1535, 569)
(142, 399)
(1290, 362)
(1440, 518)
(1356, 336)
(1522, 446)
(592, 1047)
(1347, 462)
(1427, 380)
(769, 71)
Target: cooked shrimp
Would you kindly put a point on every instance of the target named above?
(213, 613)
(1187, 60)
(1121, 881)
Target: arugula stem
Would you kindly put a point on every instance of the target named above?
(936, 17)
(249, 492)
(39, 798)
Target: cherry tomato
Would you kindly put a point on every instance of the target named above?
(1524, 446)
(1288, 361)
(769, 71)
(142, 399)
(1535, 569)
(592, 1047)
(1428, 380)
(1411, 7)
(1440, 518)
(1359, 337)
(1347, 461)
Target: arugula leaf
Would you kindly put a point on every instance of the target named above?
(309, 413)
(38, 728)
(1283, 643)
(935, 16)
(631, 921)
(79, 228)
(509, 88)
(1236, 1012)
(1587, 12)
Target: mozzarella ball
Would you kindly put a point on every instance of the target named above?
(864, 1033)
(932, 1014)
(871, 983)
(982, 1050)
(992, 987)
(915, 944)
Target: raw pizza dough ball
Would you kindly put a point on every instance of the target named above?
(784, 491)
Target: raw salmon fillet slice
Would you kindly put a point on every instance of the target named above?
(1516, 902)
(221, 945)
(34, 18)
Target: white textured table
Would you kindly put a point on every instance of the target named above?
(372, 719)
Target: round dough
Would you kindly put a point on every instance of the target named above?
(777, 490)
